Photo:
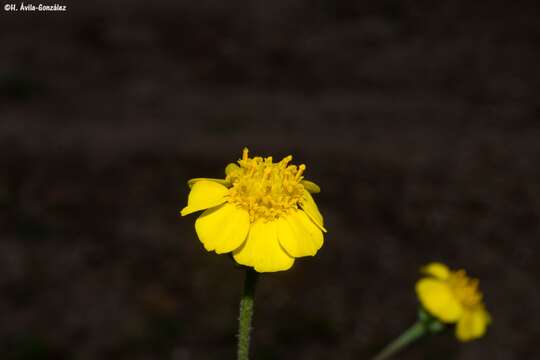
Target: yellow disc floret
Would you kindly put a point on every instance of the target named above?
(267, 190)
(465, 289)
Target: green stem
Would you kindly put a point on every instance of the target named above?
(246, 314)
(411, 334)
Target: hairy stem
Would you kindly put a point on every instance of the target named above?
(246, 314)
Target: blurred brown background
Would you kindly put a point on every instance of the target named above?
(418, 119)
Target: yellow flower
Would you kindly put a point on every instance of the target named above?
(453, 297)
(262, 212)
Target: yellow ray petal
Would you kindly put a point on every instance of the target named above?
(438, 299)
(311, 186)
(262, 250)
(223, 182)
(298, 235)
(311, 209)
(472, 324)
(222, 228)
(203, 195)
(437, 270)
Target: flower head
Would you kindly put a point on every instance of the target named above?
(262, 212)
(453, 297)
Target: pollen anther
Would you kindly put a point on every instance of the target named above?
(265, 189)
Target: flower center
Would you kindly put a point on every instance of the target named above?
(265, 189)
(465, 288)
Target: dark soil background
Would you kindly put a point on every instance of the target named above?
(418, 119)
